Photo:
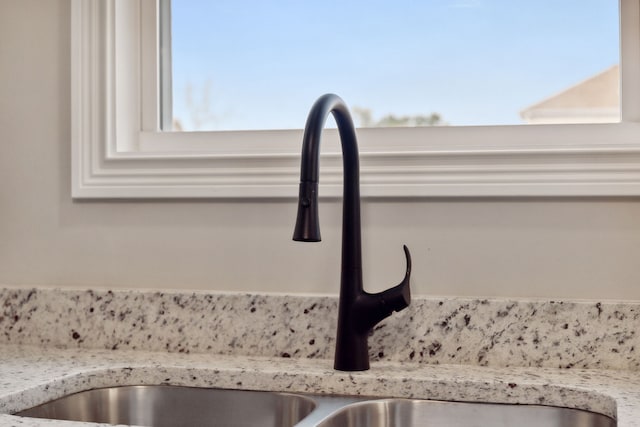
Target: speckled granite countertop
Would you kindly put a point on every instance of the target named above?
(31, 375)
(573, 354)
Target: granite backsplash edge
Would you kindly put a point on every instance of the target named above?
(463, 331)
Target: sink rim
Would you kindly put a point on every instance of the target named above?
(325, 407)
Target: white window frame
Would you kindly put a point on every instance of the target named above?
(118, 150)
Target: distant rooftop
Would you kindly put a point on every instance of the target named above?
(595, 100)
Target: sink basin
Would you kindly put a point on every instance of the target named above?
(423, 413)
(171, 406)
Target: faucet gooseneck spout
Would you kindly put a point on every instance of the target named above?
(359, 311)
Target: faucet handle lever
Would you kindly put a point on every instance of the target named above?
(372, 308)
(407, 275)
(399, 297)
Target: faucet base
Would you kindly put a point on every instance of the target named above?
(352, 353)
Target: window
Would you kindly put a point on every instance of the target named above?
(119, 150)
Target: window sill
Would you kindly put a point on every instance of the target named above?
(591, 169)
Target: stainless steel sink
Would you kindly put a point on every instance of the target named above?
(423, 413)
(174, 406)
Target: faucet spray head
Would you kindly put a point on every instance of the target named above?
(307, 227)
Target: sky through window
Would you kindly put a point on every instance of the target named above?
(242, 64)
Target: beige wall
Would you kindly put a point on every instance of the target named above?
(552, 248)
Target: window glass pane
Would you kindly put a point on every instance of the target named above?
(249, 64)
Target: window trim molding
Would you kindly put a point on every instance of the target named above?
(119, 152)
